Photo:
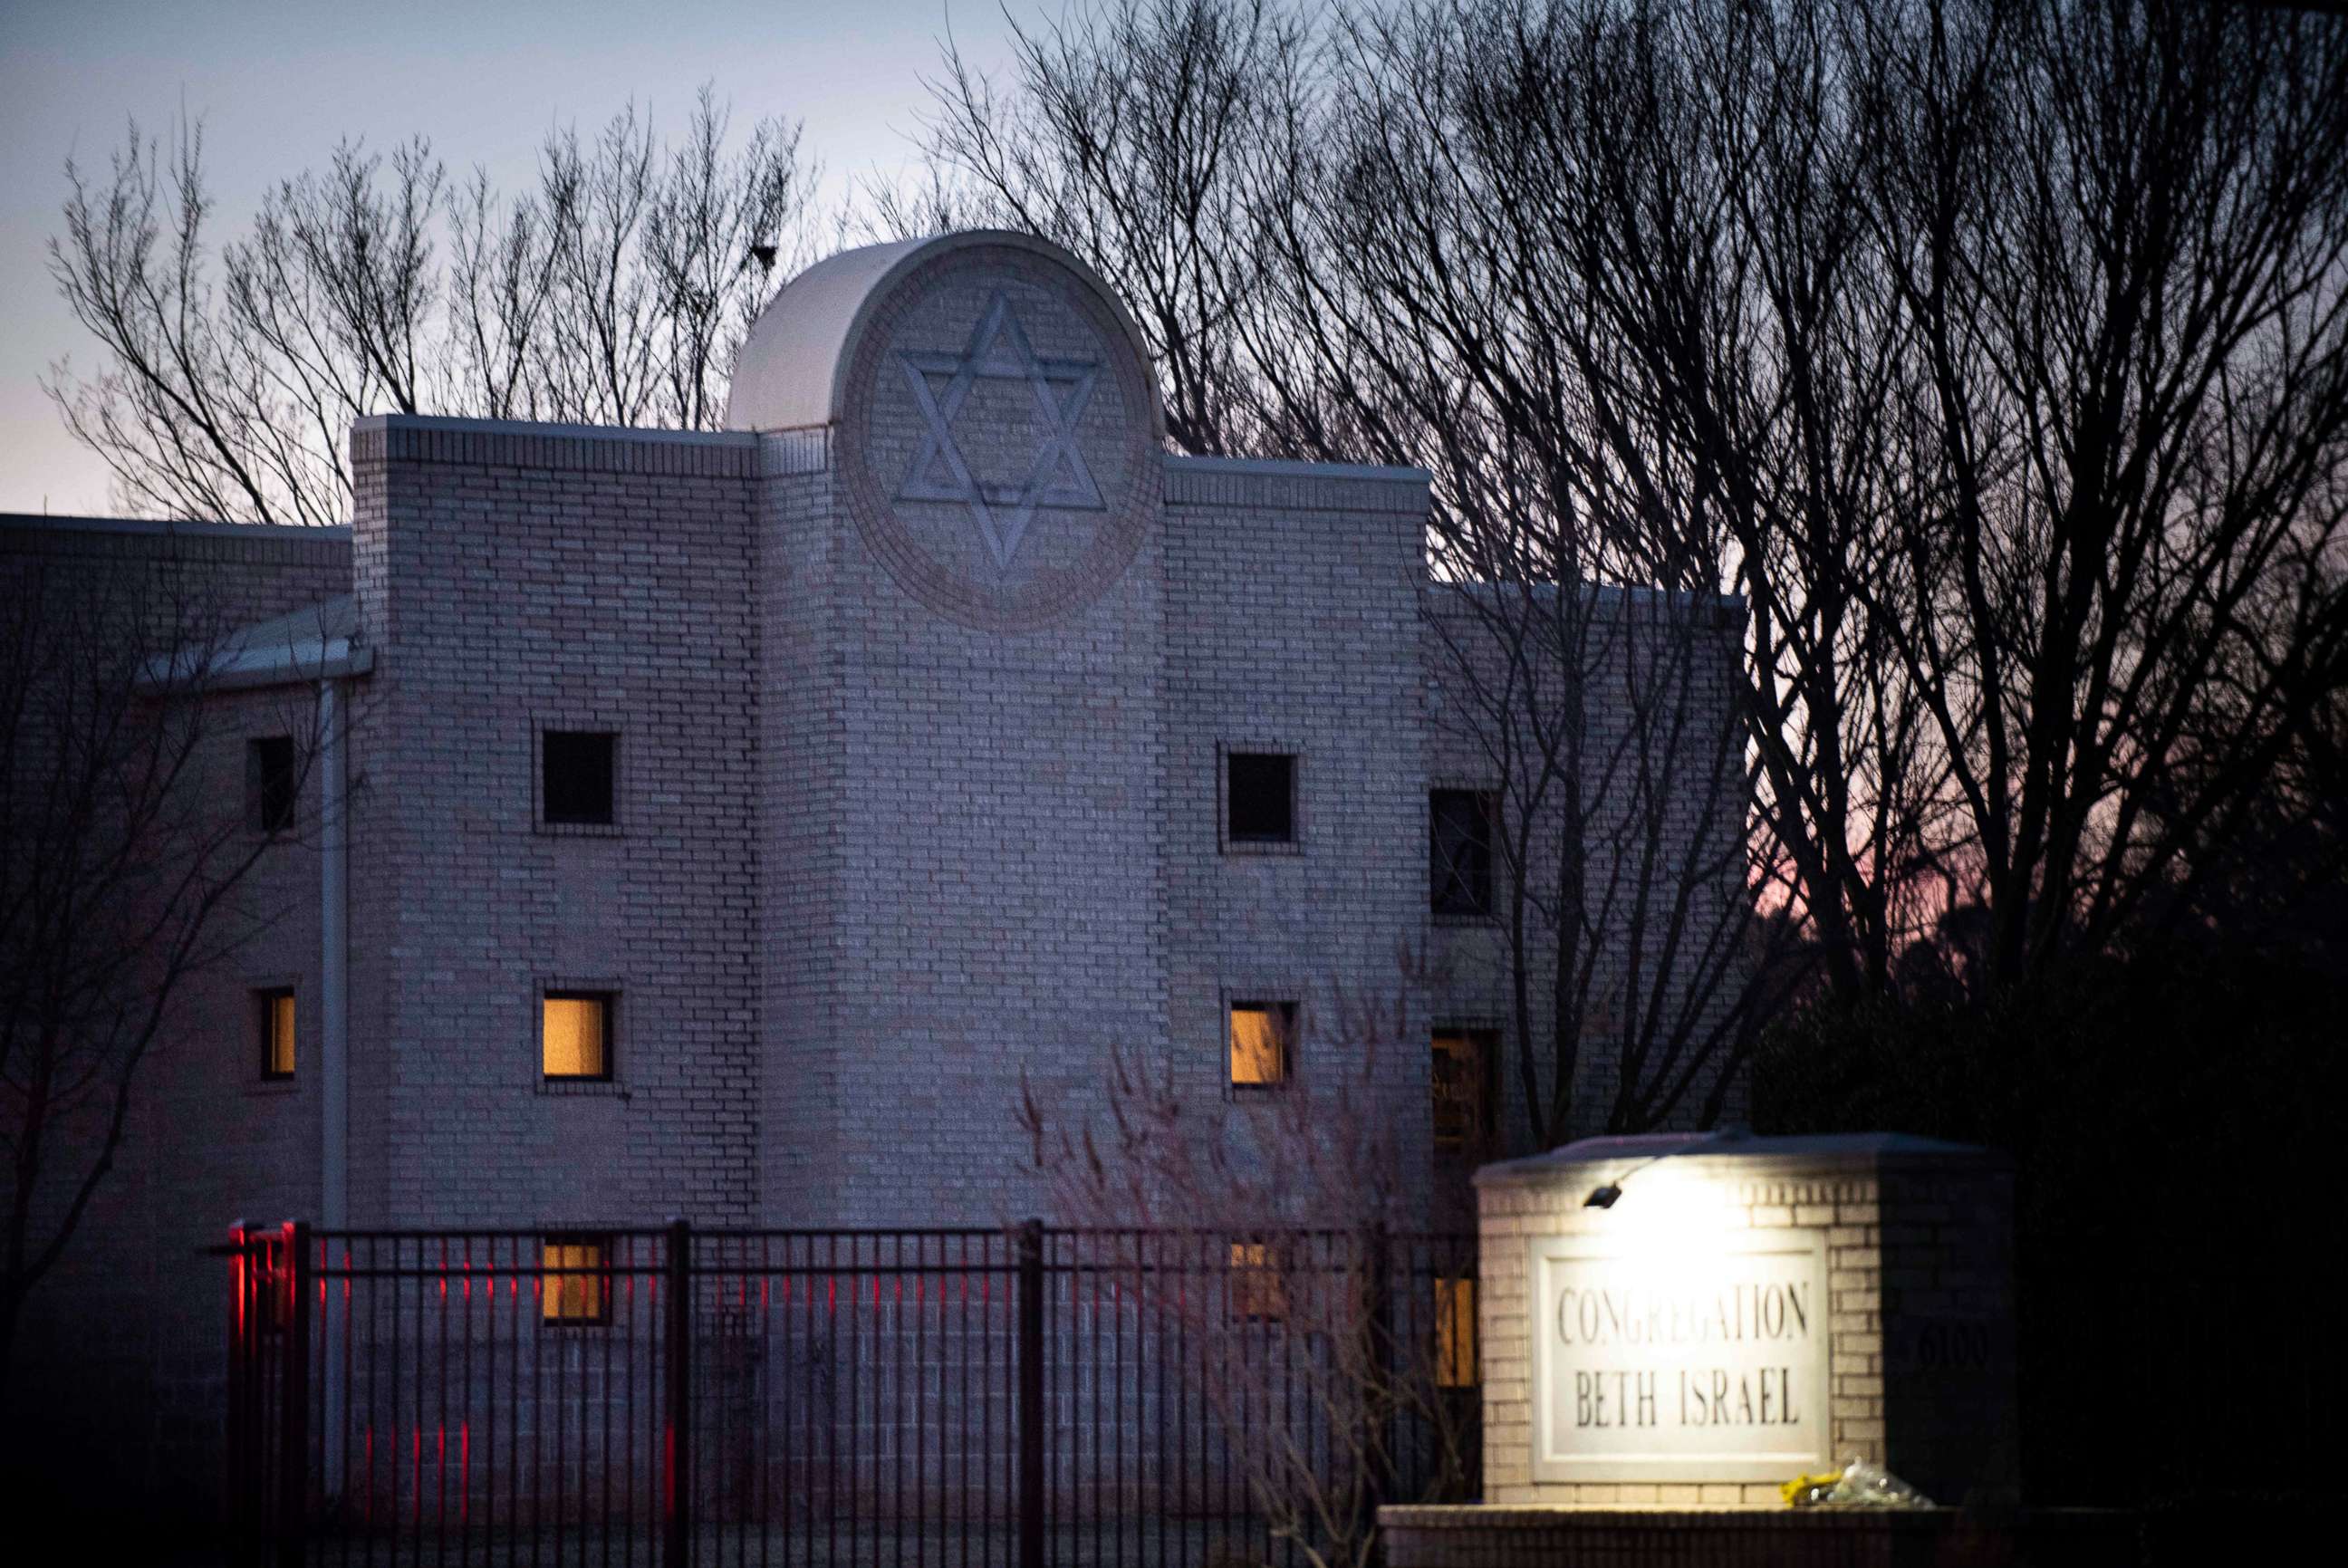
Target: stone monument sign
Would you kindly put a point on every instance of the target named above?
(1674, 1326)
(1742, 1312)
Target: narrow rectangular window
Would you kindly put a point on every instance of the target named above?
(575, 1034)
(577, 1285)
(1459, 852)
(1460, 1084)
(1261, 1034)
(272, 1020)
(578, 775)
(1257, 1294)
(1455, 1333)
(270, 786)
(1260, 795)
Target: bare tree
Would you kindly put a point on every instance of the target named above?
(1391, 283)
(1265, 1241)
(616, 291)
(1992, 351)
(2120, 239)
(1585, 645)
(1124, 139)
(2002, 344)
(124, 873)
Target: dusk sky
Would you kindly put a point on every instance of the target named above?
(277, 82)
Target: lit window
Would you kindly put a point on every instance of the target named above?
(273, 1019)
(1455, 1333)
(271, 788)
(578, 1283)
(1260, 795)
(1460, 1080)
(1261, 1032)
(577, 774)
(1459, 852)
(575, 1034)
(1257, 1292)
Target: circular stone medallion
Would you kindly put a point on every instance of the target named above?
(996, 440)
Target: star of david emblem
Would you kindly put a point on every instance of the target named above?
(998, 350)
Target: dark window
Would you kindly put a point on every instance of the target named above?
(578, 774)
(1261, 1034)
(577, 1281)
(273, 1030)
(1262, 792)
(1460, 1081)
(270, 787)
(1459, 851)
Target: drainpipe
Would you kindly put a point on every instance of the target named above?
(333, 1011)
(333, 958)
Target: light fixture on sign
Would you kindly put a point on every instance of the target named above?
(1606, 1195)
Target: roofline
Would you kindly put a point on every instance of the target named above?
(1600, 592)
(1290, 467)
(1767, 1153)
(160, 527)
(279, 663)
(645, 433)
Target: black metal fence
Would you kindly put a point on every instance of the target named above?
(966, 1396)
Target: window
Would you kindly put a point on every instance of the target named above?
(1260, 797)
(1455, 1333)
(577, 1289)
(575, 1034)
(1257, 1294)
(1460, 1084)
(1459, 852)
(272, 1028)
(578, 774)
(271, 788)
(1262, 1033)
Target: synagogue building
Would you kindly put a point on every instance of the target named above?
(729, 824)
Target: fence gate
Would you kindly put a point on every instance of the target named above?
(1005, 1398)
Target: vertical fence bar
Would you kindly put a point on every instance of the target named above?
(1383, 1365)
(1031, 1395)
(676, 1540)
(242, 1472)
(293, 1368)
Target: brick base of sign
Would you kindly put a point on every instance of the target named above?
(1908, 1319)
(1731, 1537)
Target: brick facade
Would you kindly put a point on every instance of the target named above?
(530, 581)
(899, 818)
(117, 1365)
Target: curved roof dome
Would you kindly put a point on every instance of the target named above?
(792, 370)
(995, 434)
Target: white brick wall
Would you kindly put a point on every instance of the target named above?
(530, 581)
